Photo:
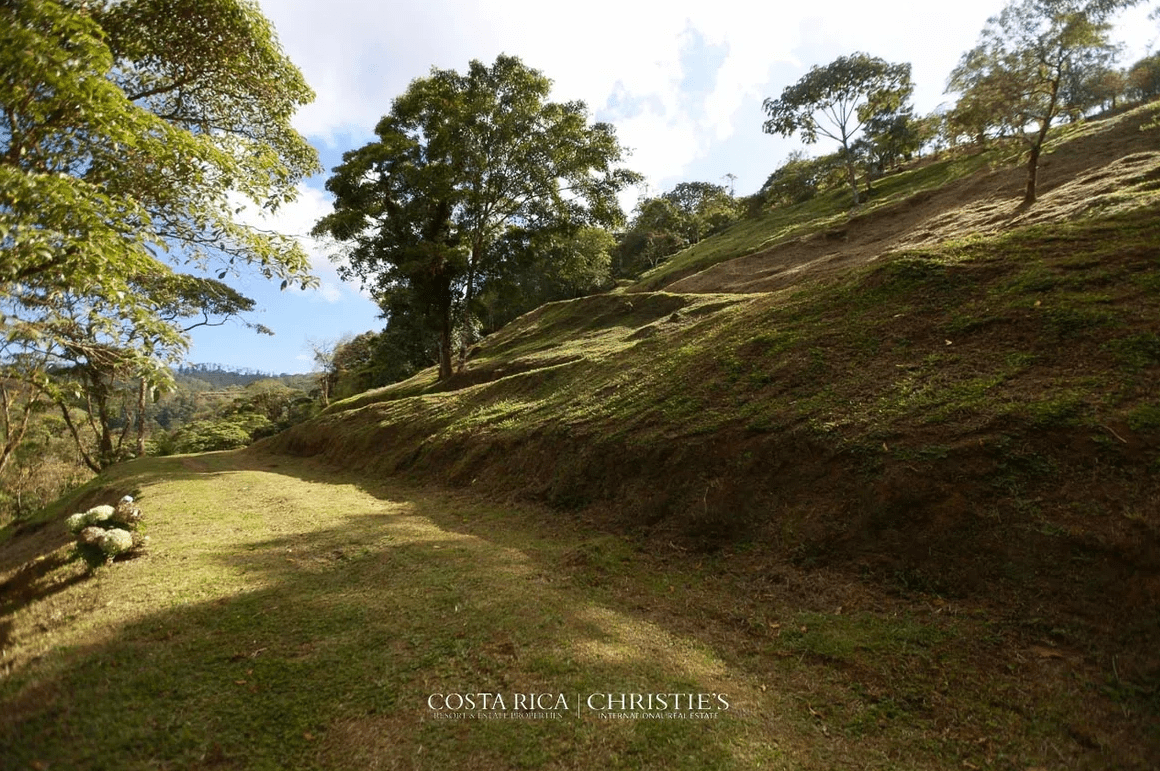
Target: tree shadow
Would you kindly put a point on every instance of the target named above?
(319, 647)
(343, 633)
(33, 582)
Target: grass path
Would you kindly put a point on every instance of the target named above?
(289, 618)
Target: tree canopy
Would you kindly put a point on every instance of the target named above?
(838, 100)
(132, 132)
(663, 225)
(1030, 66)
(462, 162)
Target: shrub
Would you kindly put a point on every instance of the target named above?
(106, 532)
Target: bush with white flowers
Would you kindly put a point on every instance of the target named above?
(104, 532)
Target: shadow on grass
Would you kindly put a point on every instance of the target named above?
(328, 655)
(331, 608)
(28, 584)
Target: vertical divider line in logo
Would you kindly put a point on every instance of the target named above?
(578, 707)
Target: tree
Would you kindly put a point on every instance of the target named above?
(324, 353)
(800, 178)
(1026, 63)
(108, 367)
(534, 269)
(887, 138)
(132, 129)
(460, 161)
(846, 94)
(1144, 79)
(702, 209)
(665, 224)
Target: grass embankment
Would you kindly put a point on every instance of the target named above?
(828, 210)
(974, 420)
(289, 617)
(906, 514)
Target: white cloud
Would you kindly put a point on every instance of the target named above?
(360, 54)
(296, 219)
(330, 292)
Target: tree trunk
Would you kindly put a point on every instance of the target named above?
(142, 393)
(1032, 174)
(91, 462)
(1037, 147)
(852, 174)
(465, 316)
(445, 348)
(445, 334)
(100, 394)
(14, 433)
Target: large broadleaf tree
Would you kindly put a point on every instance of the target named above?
(1019, 75)
(837, 101)
(133, 131)
(461, 162)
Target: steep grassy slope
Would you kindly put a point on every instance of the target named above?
(897, 490)
(1083, 172)
(970, 411)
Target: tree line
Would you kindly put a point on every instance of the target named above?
(132, 129)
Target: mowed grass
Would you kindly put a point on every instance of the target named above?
(282, 621)
(288, 616)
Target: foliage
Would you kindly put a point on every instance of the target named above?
(1029, 67)
(847, 93)
(224, 433)
(1099, 86)
(1144, 79)
(106, 532)
(460, 162)
(801, 178)
(102, 374)
(43, 466)
(132, 129)
(534, 269)
(665, 224)
(238, 418)
(887, 139)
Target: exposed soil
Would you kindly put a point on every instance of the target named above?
(1086, 174)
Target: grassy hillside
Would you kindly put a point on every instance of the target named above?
(963, 405)
(892, 480)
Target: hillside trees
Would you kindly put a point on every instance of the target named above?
(1027, 68)
(535, 268)
(837, 101)
(462, 161)
(665, 224)
(132, 129)
(1144, 78)
(109, 368)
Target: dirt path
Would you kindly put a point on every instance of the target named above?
(290, 617)
(1096, 172)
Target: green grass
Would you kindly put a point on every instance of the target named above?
(904, 517)
(829, 210)
(292, 616)
(285, 619)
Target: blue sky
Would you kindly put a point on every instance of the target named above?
(682, 81)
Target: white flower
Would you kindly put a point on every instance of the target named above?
(127, 499)
(116, 541)
(98, 514)
(75, 522)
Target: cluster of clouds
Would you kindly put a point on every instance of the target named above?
(676, 78)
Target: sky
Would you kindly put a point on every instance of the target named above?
(681, 80)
